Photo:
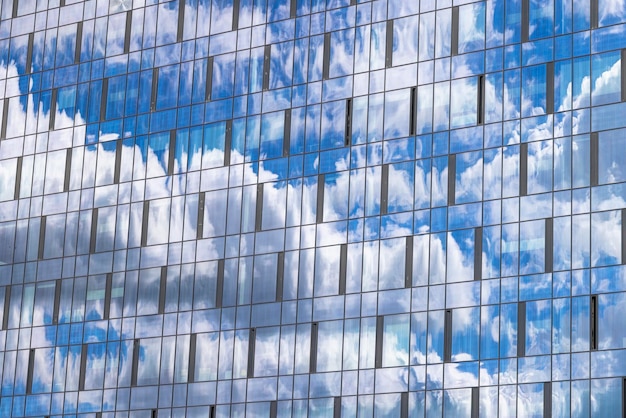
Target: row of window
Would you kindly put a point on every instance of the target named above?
(458, 336)
(528, 21)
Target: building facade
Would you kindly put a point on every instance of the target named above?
(323, 208)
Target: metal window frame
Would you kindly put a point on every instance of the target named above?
(380, 327)
(478, 253)
(79, 42)
(549, 245)
(389, 44)
(68, 170)
(127, 31)
(593, 322)
(326, 57)
(521, 329)
(454, 42)
(103, 99)
(53, 110)
(200, 220)
(447, 336)
(118, 161)
(258, 219)
(42, 237)
(451, 179)
(319, 209)
(191, 366)
(94, 231)
(384, 189)
(280, 273)
(251, 351)
(523, 169)
(594, 152)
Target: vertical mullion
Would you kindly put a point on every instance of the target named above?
(451, 179)
(525, 18)
(181, 20)
(313, 348)
(127, 33)
(251, 350)
(624, 397)
(287, 133)
(155, 86)
(68, 170)
(79, 42)
(384, 189)
(235, 25)
(273, 409)
(321, 185)
(258, 220)
(293, 9)
(550, 87)
(326, 57)
(209, 79)
(103, 99)
(480, 105)
(413, 110)
(30, 370)
(623, 236)
(594, 152)
(280, 274)
(404, 405)
(593, 322)
(475, 402)
(53, 110)
(593, 14)
(228, 139)
(191, 370)
(135, 363)
(5, 115)
(378, 356)
(118, 161)
(57, 302)
(454, 43)
(478, 253)
(83, 367)
(42, 237)
(162, 289)
(523, 169)
(343, 263)
(389, 44)
(219, 288)
(171, 157)
(94, 231)
(267, 60)
(549, 243)
(408, 262)
(623, 72)
(29, 53)
(521, 329)
(18, 179)
(348, 133)
(7, 303)
(447, 336)
(337, 407)
(200, 220)
(107, 296)
(144, 223)
(14, 11)
(547, 400)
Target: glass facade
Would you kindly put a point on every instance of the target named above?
(322, 208)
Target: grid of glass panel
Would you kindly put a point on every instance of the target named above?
(323, 208)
